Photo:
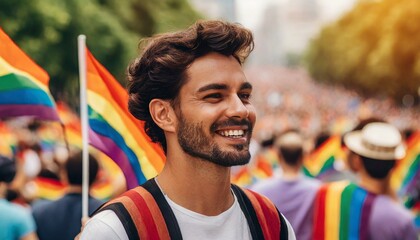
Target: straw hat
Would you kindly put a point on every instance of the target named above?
(380, 141)
(289, 139)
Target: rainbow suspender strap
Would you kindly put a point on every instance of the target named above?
(145, 214)
(342, 211)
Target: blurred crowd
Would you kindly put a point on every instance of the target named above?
(284, 99)
(287, 98)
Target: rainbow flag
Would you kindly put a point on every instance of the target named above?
(8, 141)
(262, 169)
(23, 84)
(72, 125)
(243, 177)
(416, 211)
(110, 180)
(115, 131)
(106, 185)
(48, 188)
(407, 171)
(322, 159)
(342, 211)
(407, 174)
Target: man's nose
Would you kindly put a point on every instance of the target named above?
(237, 109)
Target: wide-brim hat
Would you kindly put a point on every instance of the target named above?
(289, 139)
(378, 140)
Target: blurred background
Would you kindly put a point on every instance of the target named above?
(317, 63)
(320, 66)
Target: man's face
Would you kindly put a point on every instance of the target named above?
(215, 116)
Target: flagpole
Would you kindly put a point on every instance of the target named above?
(84, 121)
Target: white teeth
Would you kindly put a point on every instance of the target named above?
(232, 133)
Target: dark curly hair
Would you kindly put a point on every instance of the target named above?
(160, 71)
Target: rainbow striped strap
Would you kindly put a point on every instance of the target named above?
(145, 214)
(264, 220)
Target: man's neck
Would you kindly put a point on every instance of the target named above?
(373, 185)
(290, 172)
(197, 185)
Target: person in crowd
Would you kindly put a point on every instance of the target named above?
(366, 209)
(16, 222)
(190, 90)
(343, 168)
(61, 219)
(292, 192)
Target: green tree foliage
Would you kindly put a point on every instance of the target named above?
(47, 31)
(374, 48)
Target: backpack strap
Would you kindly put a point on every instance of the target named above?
(264, 220)
(142, 215)
(169, 216)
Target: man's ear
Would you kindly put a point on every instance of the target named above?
(357, 163)
(163, 114)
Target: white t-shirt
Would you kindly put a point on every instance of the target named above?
(231, 224)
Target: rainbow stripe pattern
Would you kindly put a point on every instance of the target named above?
(109, 174)
(23, 84)
(407, 171)
(407, 174)
(72, 125)
(115, 131)
(322, 159)
(48, 188)
(342, 211)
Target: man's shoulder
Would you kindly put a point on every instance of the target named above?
(13, 210)
(104, 225)
(127, 201)
(393, 208)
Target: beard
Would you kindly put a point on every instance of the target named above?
(194, 142)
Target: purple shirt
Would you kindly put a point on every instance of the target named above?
(390, 221)
(293, 198)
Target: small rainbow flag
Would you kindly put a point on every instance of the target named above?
(413, 203)
(71, 123)
(8, 141)
(243, 177)
(342, 211)
(115, 131)
(23, 84)
(322, 159)
(262, 169)
(48, 188)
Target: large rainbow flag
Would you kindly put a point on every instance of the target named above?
(321, 160)
(342, 211)
(406, 176)
(107, 184)
(23, 84)
(115, 131)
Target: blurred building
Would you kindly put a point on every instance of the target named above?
(282, 28)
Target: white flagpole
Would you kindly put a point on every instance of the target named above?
(85, 124)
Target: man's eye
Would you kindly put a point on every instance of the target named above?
(213, 96)
(245, 96)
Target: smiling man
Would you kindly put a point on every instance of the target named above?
(190, 90)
